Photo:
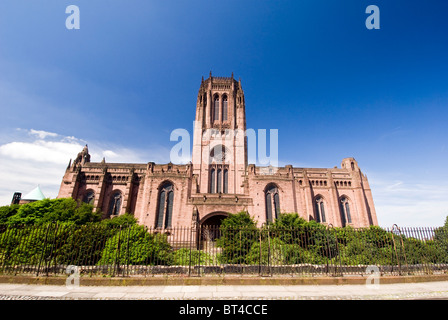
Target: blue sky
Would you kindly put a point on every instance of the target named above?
(311, 69)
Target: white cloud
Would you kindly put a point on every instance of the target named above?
(40, 151)
(25, 163)
(109, 153)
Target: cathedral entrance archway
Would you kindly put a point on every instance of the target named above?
(213, 219)
(209, 229)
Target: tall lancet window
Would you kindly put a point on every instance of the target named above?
(89, 197)
(345, 211)
(212, 180)
(165, 205)
(224, 108)
(219, 170)
(320, 209)
(272, 203)
(225, 186)
(204, 110)
(219, 181)
(115, 204)
(216, 108)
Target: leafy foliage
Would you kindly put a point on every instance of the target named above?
(238, 233)
(135, 245)
(185, 257)
(43, 211)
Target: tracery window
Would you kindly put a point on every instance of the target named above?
(115, 204)
(219, 178)
(224, 108)
(272, 203)
(219, 171)
(345, 211)
(216, 108)
(89, 197)
(165, 205)
(320, 209)
(212, 180)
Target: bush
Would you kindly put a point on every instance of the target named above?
(122, 220)
(8, 211)
(273, 252)
(135, 246)
(288, 221)
(84, 244)
(238, 233)
(186, 257)
(32, 245)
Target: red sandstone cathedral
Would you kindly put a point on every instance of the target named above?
(219, 180)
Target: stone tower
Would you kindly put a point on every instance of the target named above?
(219, 145)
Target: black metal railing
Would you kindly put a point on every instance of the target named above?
(134, 250)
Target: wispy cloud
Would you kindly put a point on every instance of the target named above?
(398, 131)
(43, 134)
(409, 203)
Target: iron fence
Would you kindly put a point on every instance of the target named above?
(134, 250)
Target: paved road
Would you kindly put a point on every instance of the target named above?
(425, 290)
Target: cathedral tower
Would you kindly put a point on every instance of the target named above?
(219, 144)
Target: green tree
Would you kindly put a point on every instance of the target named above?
(54, 210)
(122, 220)
(441, 242)
(238, 233)
(8, 211)
(84, 244)
(289, 221)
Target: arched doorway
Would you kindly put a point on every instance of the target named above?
(213, 219)
(209, 229)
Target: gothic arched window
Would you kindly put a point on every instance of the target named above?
(115, 204)
(212, 180)
(216, 108)
(219, 178)
(89, 197)
(320, 209)
(165, 205)
(219, 181)
(219, 174)
(224, 108)
(225, 186)
(345, 211)
(272, 203)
